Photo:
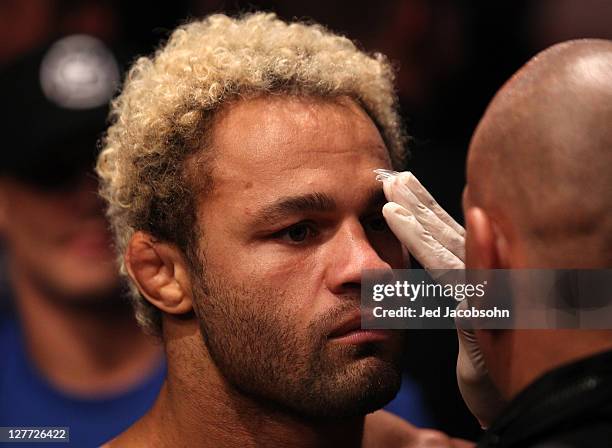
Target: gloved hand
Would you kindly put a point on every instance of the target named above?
(478, 391)
(437, 241)
(431, 235)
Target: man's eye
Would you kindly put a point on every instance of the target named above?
(377, 224)
(297, 233)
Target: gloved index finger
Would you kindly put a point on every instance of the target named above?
(387, 177)
(422, 244)
(410, 180)
(439, 229)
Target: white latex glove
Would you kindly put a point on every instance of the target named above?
(437, 241)
(431, 235)
(478, 391)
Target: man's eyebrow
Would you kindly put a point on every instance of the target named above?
(286, 206)
(310, 202)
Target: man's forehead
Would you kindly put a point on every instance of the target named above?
(290, 147)
(265, 135)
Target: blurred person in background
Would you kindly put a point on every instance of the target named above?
(72, 353)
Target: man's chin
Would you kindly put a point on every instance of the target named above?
(366, 357)
(361, 386)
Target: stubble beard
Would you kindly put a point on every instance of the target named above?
(250, 338)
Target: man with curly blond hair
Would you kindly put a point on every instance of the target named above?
(238, 174)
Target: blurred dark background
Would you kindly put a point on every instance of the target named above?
(451, 57)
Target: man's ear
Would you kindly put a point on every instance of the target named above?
(486, 246)
(160, 273)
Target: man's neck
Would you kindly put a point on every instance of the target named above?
(198, 407)
(83, 350)
(220, 420)
(536, 352)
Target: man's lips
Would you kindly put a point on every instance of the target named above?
(352, 323)
(350, 332)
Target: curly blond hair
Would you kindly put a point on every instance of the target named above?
(168, 103)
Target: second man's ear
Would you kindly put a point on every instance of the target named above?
(486, 246)
(160, 272)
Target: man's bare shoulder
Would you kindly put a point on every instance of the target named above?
(383, 429)
(126, 440)
(142, 433)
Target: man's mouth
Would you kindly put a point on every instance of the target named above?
(349, 331)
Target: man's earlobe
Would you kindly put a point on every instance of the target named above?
(480, 240)
(160, 273)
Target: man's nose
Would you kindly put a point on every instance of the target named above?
(350, 252)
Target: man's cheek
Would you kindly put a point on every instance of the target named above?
(296, 276)
(279, 260)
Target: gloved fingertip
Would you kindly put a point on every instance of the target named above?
(413, 182)
(403, 177)
(384, 174)
(392, 208)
